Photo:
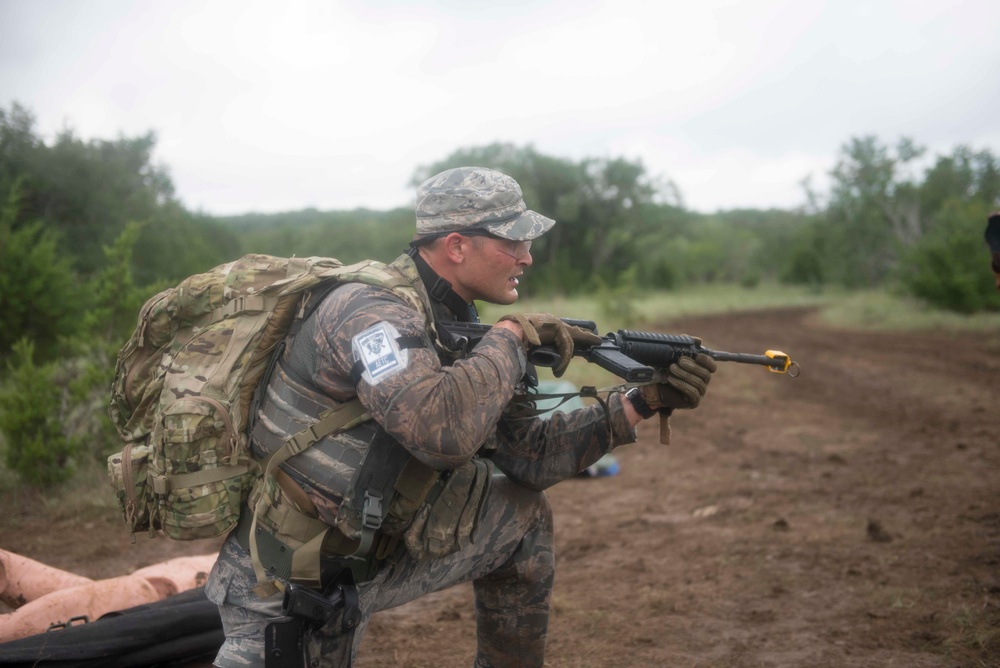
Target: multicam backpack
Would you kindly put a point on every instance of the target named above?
(185, 381)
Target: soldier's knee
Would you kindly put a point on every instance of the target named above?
(534, 506)
(539, 536)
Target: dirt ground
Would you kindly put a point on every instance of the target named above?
(849, 517)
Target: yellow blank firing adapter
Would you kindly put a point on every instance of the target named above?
(784, 363)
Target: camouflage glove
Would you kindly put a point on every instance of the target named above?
(544, 328)
(686, 383)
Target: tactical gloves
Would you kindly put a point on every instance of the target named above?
(686, 383)
(544, 329)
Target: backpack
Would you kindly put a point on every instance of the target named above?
(185, 382)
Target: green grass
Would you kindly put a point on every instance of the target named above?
(656, 307)
(650, 309)
(875, 309)
(884, 311)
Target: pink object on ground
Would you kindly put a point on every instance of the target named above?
(23, 579)
(48, 596)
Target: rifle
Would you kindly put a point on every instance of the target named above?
(631, 355)
(636, 357)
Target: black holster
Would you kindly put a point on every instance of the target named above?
(335, 612)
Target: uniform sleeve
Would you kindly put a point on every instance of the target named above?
(442, 415)
(539, 453)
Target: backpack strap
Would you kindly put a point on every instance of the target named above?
(391, 472)
(293, 522)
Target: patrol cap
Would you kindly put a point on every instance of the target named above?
(467, 198)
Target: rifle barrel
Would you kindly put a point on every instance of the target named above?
(745, 358)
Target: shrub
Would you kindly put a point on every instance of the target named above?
(31, 400)
(949, 266)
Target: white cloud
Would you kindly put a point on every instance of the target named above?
(265, 106)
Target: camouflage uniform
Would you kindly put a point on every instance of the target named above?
(445, 413)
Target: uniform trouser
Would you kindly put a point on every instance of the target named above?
(509, 561)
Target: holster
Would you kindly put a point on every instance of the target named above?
(336, 613)
(283, 644)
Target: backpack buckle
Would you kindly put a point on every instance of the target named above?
(371, 514)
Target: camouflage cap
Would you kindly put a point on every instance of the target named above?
(468, 198)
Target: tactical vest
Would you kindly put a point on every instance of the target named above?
(373, 485)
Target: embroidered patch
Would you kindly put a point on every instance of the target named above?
(377, 350)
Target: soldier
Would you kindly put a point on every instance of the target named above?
(464, 488)
(993, 241)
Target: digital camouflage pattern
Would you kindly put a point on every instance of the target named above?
(184, 381)
(474, 197)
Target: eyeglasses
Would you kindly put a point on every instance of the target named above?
(517, 250)
(512, 248)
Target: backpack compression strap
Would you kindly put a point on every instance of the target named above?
(311, 531)
(305, 558)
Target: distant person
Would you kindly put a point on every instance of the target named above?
(461, 480)
(993, 239)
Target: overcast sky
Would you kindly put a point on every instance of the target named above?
(273, 106)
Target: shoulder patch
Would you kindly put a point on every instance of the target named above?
(380, 355)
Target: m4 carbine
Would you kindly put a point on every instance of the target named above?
(637, 358)
(633, 356)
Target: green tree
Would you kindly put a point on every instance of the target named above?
(18, 146)
(89, 362)
(873, 211)
(31, 400)
(946, 267)
(174, 244)
(600, 205)
(350, 236)
(881, 212)
(804, 260)
(39, 294)
(966, 175)
(87, 191)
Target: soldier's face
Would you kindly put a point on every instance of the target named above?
(495, 269)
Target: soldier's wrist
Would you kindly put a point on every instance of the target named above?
(639, 403)
(512, 327)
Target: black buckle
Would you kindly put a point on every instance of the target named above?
(440, 289)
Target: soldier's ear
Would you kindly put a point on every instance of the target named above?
(456, 247)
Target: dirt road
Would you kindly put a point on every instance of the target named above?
(850, 517)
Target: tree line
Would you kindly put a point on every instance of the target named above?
(90, 228)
